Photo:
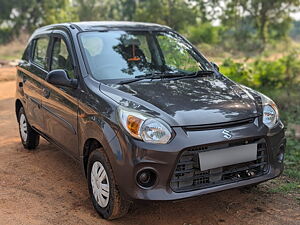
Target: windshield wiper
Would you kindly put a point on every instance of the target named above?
(160, 75)
(154, 75)
(196, 74)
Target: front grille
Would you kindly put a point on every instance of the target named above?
(188, 176)
(219, 125)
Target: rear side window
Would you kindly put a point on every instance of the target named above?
(40, 52)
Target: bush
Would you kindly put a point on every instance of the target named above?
(283, 73)
(268, 73)
(5, 35)
(203, 33)
(239, 72)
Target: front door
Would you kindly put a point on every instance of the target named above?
(61, 103)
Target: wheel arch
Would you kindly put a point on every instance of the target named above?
(18, 106)
(95, 132)
(89, 146)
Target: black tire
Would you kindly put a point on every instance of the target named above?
(117, 205)
(33, 138)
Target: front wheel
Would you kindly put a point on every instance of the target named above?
(106, 197)
(29, 137)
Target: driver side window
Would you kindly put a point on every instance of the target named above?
(61, 58)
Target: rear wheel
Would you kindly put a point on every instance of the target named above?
(29, 137)
(106, 197)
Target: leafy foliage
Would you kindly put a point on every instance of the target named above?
(292, 159)
(26, 15)
(267, 17)
(203, 33)
(246, 25)
(5, 35)
(239, 72)
(281, 73)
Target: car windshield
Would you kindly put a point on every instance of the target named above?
(126, 54)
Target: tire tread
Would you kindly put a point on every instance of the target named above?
(118, 206)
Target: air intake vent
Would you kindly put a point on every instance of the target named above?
(188, 176)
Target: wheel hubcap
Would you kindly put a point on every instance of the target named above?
(23, 127)
(100, 184)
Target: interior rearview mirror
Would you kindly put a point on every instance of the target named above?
(60, 78)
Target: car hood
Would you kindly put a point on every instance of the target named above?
(187, 102)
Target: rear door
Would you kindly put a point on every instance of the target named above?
(61, 103)
(33, 73)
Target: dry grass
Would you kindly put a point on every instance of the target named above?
(272, 52)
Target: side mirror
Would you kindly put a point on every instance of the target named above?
(215, 66)
(60, 78)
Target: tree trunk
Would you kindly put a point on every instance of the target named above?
(263, 30)
(265, 7)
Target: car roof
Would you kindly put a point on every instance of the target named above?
(103, 25)
(91, 25)
(99, 26)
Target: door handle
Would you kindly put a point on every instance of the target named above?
(46, 93)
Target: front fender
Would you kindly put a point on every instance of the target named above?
(96, 128)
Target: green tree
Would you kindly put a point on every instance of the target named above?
(127, 9)
(57, 11)
(28, 14)
(174, 13)
(203, 33)
(97, 9)
(5, 9)
(268, 12)
(265, 19)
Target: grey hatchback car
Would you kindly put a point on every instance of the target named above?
(144, 113)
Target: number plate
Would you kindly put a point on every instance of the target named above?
(227, 156)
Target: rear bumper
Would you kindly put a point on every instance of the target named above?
(132, 156)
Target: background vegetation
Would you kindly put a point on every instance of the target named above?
(255, 42)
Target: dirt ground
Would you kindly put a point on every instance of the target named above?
(46, 187)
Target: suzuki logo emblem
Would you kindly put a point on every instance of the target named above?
(227, 134)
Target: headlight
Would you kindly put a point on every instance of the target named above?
(144, 127)
(270, 112)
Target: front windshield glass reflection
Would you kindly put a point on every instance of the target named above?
(124, 54)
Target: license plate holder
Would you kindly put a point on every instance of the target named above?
(227, 156)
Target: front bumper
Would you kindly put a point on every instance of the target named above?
(131, 156)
